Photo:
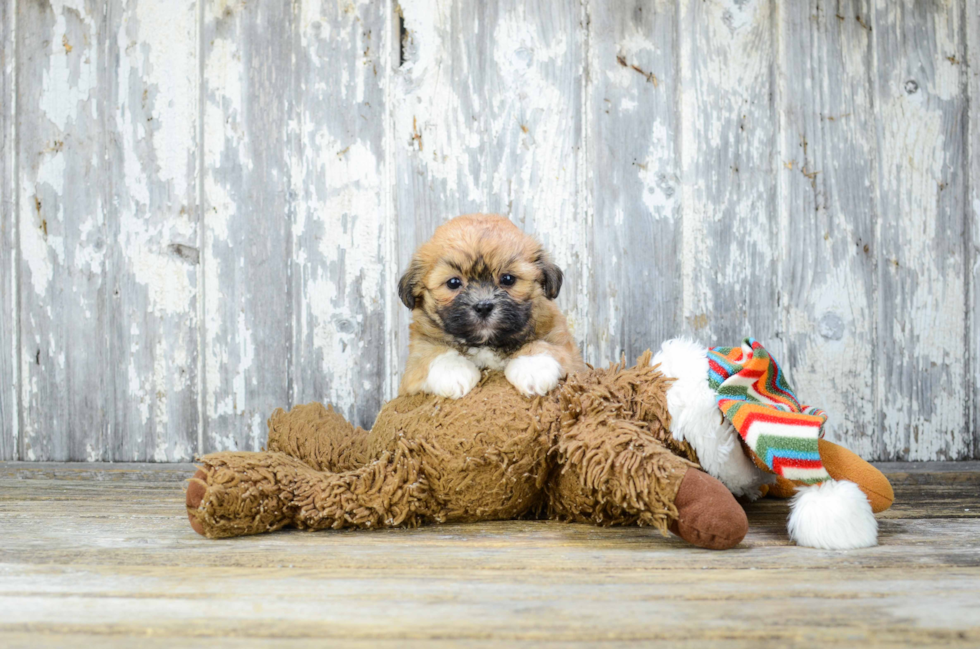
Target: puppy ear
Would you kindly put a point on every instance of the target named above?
(551, 277)
(409, 282)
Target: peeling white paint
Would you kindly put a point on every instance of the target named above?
(328, 340)
(972, 19)
(224, 110)
(726, 143)
(921, 268)
(657, 176)
(431, 107)
(36, 245)
(167, 280)
(34, 251)
(153, 255)
(65, 88)
(175, 89)
(137, 392)
(509, 120)
(832, 369)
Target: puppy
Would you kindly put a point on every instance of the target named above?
(481, 294)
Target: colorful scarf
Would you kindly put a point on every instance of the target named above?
(753, 394)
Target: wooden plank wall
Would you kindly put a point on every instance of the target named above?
(206, 204)
(152, 265)
(973, 216)
(827, 212)
(63, 204)
(8, 236)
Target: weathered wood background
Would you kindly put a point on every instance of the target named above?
(206, 203)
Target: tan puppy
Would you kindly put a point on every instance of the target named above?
(481, 294)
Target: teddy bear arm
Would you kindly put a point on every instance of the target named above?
(319, 436)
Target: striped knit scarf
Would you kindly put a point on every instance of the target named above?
(755, 397)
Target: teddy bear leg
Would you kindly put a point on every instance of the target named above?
(319, 436)
(619, 473)
(235, 494)
(708, 515)
(843, 464)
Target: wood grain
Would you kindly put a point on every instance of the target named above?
(951, 493)
(727, 141)
(152, 268)
(304, 604)
(922, 122)
(337, 165)
(105, 554)
(973, 214)
(827, 213)
(144, 472)
(8, 236)
(247, 211)
(63, 202)
(488, 117)
(637, 291)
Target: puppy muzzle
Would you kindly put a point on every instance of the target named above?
(484, 308)
(484, 315)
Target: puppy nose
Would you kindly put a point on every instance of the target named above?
(484, 308)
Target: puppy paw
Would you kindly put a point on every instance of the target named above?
(451, 375)
(537, 374)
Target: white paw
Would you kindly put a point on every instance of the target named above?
(538, 374)
(451, 375)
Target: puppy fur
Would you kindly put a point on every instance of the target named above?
(482, 296)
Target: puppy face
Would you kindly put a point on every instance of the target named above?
(476, 282)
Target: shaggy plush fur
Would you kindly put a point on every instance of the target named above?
(832, 515)
(598, 449)
(696, 419)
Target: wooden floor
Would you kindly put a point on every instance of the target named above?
(102, 555)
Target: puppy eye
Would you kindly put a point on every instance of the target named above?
(455, 283)
(507, 280)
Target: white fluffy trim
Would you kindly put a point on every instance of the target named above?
(695, 418)
(832, 515)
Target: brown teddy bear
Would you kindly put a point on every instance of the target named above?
(616, 446)
(598, 449)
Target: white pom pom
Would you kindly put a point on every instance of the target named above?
(832, 515)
